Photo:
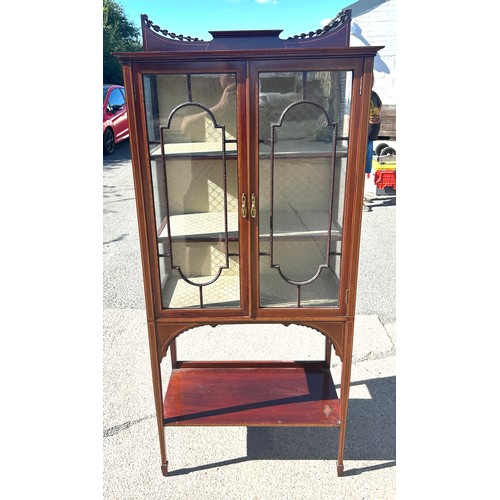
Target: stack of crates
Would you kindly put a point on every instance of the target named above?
(384, 170)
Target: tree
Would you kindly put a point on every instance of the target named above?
(119, 35)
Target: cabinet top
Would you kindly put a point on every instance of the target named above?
(161, 45)
(335, 34)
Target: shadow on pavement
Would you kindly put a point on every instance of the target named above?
(120, 155)
(371, 435)
(379, 201)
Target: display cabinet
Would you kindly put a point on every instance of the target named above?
(248, 158)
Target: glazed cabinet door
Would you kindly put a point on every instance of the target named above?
(303, 141)
(193, 126)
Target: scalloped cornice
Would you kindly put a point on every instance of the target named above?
(335, 34)
(145, 20)
(341, 17)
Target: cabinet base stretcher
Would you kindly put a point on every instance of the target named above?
(251, 394)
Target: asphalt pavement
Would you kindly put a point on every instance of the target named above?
(239, 462)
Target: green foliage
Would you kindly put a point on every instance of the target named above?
(119, 35)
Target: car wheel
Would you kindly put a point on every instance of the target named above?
(387, 151)
(379, 148)
(108, 141)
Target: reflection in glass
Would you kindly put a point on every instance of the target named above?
(191, 124)
(303, 127)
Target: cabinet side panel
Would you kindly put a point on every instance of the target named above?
(356, 176)
(139, 189)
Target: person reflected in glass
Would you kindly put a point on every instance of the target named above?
(224, 111)
(200, 134)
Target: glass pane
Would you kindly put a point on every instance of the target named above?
(303, 139)
(191, 126)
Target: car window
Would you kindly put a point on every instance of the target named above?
(116, 97)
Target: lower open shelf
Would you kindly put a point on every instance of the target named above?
(251, 394)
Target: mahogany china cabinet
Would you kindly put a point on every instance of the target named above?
(248, 159)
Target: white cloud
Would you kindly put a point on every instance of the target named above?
(266, 1)
(324, 22)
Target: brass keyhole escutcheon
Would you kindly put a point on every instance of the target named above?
(253, 208)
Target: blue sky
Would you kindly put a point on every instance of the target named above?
(197, 17)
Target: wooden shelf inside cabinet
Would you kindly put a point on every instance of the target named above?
(205, 226)
(194, 150)
(209, 151)
(232, 155)
(178, 294)
(301, 149)
(209, 226)
(251, 394)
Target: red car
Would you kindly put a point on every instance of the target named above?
(115, 120)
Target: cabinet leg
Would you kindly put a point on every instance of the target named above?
(342, 429)
(164, 469)
(158, 395)
(328, 351)
(345, 383)
(173, 354)
(340, 458)
(340, 469)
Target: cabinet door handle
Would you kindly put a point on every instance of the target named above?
(253, 208)
(244, 210)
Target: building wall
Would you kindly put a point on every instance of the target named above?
(374, 23)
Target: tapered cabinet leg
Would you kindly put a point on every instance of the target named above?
(173, 354)
(345, 383)
(164, 469)
(158, 395)
(340, 458)
(340, 469)
(328, 351)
